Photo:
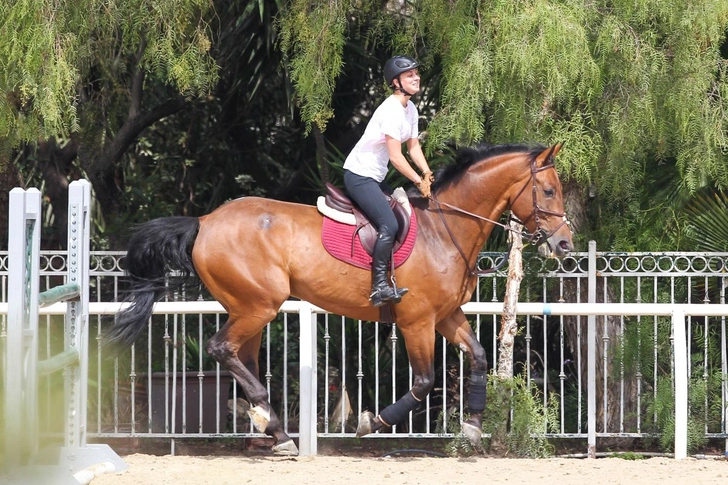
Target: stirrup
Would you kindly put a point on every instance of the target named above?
(382, 295)
(398, 292)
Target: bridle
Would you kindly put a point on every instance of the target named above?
(538, 237)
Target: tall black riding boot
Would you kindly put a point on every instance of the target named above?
(382, 293)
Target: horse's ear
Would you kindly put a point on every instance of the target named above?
(555, 149)
(546, 157)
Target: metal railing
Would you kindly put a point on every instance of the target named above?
(361, 365)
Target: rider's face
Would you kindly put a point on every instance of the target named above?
(410, 81)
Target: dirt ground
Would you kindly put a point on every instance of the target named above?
(322, 470)
(379, 461)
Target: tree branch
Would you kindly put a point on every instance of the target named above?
(137, 83)
(103, 177)
(321, 162)
(131, 130)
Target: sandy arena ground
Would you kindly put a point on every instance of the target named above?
(322, 470)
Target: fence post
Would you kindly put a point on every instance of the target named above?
(591, 355)
(681, 384)
(21, 428)
(308, 373)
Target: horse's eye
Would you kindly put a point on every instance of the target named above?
(549, 192)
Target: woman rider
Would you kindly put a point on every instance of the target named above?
(393, 123)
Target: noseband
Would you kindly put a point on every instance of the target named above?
(539, 236)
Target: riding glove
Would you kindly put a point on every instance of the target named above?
(424, 185)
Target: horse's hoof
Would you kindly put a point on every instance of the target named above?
(287, 448)
(366, 424)
(473, 434)
(260, 418)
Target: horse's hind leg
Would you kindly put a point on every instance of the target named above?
(457, 330)
(248, 354)
(265, 419)
(236, 348)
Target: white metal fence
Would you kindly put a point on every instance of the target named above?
(361, 365)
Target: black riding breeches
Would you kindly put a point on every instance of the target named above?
(369, 196)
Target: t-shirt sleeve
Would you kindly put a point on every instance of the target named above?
(390, 126)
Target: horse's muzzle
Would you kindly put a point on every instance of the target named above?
(555, 248)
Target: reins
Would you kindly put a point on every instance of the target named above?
(537, 238)
(471, 271)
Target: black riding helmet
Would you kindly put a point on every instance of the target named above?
(396, 66)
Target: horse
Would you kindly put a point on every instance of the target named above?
(253, 253)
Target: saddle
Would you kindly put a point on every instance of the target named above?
(349, 213)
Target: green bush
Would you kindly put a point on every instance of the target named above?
(516, 418)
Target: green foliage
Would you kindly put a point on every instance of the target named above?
(195, 355)
(662, 406)
(708, 222)
(530, 420)
(460, 446)
(646, 351)
(634, 89)
(175, 32)
(39, 56)
(629, 456)
(57, 54)
(467, 63)
(312, 34)
(638, 91)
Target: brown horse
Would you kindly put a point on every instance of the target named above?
(253, 253)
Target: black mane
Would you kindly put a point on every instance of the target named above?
(469, 156)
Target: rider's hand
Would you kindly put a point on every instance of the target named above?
(425, 183)
(424, 186)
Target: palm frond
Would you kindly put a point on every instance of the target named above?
(709, 221)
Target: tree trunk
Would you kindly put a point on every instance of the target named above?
(104, 175)
(509, 324)
(507, 336)
(56, 163)
(608, 333)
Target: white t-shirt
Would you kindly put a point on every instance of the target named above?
(370, 157)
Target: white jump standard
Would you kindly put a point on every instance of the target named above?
(25, 460)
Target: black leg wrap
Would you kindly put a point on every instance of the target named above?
(394, 413)
(476, 395)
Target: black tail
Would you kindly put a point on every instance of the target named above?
(158, 262)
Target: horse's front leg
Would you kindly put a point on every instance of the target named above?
(242, 362)
(420, 344)
(457, 330)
